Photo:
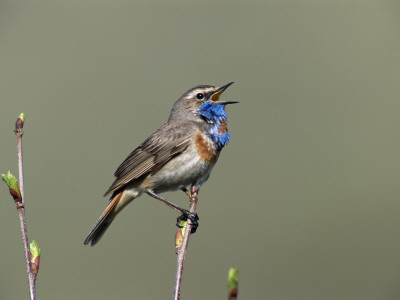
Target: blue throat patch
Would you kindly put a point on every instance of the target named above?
(216, 117)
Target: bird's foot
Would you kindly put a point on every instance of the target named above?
(193, 217)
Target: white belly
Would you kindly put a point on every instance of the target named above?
(181, 172)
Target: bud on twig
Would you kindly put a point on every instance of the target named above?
(19, 124)
(34, 257)
(13, 187)
(180, 233)
(233, 283)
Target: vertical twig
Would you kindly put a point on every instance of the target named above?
(19, 124)
(19, 132)
(181, 252)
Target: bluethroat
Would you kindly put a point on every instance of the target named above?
(181, 153)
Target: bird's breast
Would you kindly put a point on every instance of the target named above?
(205, 148)
(192, 167)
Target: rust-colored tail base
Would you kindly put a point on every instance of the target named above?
(104, 222)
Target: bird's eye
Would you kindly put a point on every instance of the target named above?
(200, 96)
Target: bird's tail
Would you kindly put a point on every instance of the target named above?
(105, 220)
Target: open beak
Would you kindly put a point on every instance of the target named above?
(214, 97)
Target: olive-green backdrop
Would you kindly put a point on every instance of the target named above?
(305, 200)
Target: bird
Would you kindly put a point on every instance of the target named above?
(181, 153)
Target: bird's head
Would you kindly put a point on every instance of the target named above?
(202, 102)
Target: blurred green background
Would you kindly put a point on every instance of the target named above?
(305, 198)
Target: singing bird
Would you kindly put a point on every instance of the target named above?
(181, 153)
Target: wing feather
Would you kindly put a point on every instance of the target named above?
(167, 142)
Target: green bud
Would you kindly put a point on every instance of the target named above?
(13, 187)
(35, 257)
(10, 180)
(233, 278)
(35, 250)
(22, 117)
(19, 124)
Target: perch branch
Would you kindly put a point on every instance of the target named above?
(182, 249)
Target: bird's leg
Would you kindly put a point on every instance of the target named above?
(185, 190)
(185, 213)
(165, 201)
(194, 190)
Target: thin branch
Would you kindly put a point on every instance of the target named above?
(181, 251)
(19, 124)
(19, 132)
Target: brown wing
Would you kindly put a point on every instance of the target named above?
(158, 149)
